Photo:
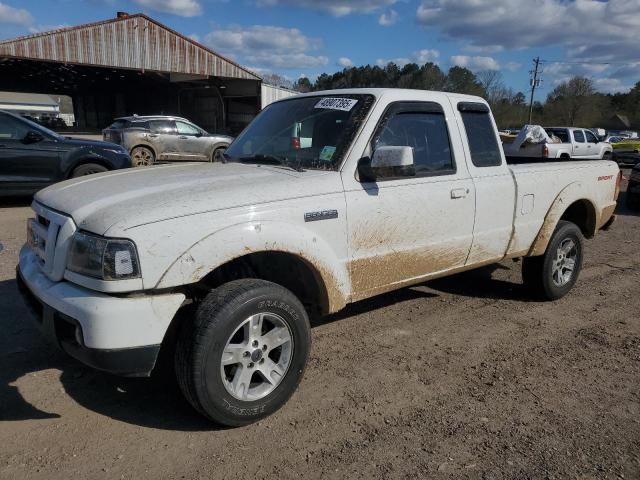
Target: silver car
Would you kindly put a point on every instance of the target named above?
(164, 138)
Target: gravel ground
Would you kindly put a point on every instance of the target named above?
(464, 377)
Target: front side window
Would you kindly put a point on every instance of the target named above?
(578, 136)
(12, 129)
(185, 128)
(481, 135)
(427, 134)
(162, 126)
(591, 138)
(310, 132)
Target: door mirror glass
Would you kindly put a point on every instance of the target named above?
(392, 156)
(33, 137)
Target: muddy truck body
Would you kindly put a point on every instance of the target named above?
(325, 199)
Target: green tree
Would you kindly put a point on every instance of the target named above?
(462, 80)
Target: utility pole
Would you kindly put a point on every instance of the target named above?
(535, 82)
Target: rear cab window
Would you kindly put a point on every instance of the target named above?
(481, 135)
(119, 124)
(578, 136)
(561, 133)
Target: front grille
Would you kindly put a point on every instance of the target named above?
(53, 233)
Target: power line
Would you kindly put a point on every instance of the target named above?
(535, 82)
(590, 62)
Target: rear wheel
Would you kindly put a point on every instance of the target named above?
(88, 169)
(245, 352)
(142, 156)
(553, 275)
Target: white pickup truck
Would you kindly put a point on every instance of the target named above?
(576, 143)
(225, 263)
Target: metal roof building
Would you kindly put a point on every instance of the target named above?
(132, 64)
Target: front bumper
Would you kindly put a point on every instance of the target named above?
(118, 334)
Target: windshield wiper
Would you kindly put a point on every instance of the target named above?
(262, 159)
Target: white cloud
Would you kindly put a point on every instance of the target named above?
(425, 55)
(399, 61)
(337, 8)
(512, 66)
(46, 28)
(345, 62)
(388, 18)
(182, 8)
(268, 46)
(476, 63)
(421, 56)
(586, 28)
(14, 16)
(610, 85)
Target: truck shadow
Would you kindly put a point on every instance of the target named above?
(26, 358)
(154, 402)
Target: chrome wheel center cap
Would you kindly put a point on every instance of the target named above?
(256, 355)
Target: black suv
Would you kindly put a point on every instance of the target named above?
(32, 156)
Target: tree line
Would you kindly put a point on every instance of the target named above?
(574, 102)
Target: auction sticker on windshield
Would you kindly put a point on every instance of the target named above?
(333, 103)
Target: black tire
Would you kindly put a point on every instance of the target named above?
(88, 169)
(633, 200)
(538, 272)
(216, 156)
(606, 156)
(202, 341)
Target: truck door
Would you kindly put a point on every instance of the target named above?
(26, 165)
(407, 225)
(593, 151)
(493, 182)
(580, 149)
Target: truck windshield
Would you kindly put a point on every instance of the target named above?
(311, 132)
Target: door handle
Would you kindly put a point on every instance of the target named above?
(184, 137)
(152, 135)
(459, 192)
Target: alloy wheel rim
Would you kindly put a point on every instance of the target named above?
(564, 263)
(142, 156)
(256, 356)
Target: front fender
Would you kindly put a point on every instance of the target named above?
(571, 193)
(230, 243)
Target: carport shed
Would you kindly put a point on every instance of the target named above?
(128, 65)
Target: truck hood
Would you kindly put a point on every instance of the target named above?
(132, 197)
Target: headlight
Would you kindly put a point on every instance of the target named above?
(104, 258)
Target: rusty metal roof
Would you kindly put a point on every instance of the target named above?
(133, 42)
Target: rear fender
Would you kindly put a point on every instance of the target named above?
(570, 194)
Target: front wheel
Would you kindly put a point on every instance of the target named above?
(88, 169)
(606, 156)
(245, 352)
(216, 156)
(553, 275)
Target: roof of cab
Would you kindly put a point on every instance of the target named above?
(409, 94)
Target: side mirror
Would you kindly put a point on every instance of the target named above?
(198, 135)
(392, 156)
(33, 137)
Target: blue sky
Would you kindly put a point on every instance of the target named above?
(594, 38)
